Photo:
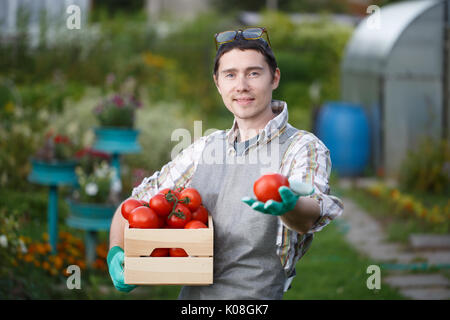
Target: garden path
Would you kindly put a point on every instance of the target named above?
(417, 270)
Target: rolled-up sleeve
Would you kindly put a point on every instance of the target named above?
(312, 164)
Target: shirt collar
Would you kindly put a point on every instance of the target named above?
(272, 127)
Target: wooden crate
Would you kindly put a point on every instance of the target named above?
(197, 269)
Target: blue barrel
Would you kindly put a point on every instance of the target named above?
(344, 128)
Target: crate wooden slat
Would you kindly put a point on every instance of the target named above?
(197, 269)
(169, 270)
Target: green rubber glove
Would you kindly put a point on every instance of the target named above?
(115, 266)
(289, 198)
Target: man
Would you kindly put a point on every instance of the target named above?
(256, 245)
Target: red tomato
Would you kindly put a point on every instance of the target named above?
(266, 187)
(177, 252)
(179, 217)
(201, 214)
(195, 224)
(168, 190)
(191, 198)
(144, 203)
(179, 189)
(160, 204)
(166, 226)
(160, 252)
(143, 218)
(162, 222)
(128, 206)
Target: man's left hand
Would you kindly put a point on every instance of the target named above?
(289, 197)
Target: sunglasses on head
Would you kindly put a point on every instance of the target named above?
(247, 34)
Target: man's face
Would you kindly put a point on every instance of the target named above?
(245, 83)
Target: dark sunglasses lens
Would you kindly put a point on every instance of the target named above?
(225, 36)
(252, 33)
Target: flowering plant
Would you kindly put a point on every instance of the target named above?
(97, 180)
(403, 203)
(10, 242)
(87, 158)
(117, 111)
(98, 186)
(56, 147)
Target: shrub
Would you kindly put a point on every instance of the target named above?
(427, 169)
(56, 147)
(117, 111)
(96, 186)
(307, 53)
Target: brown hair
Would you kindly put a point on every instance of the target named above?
(242, 44)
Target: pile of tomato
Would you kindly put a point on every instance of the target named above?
(179, 208)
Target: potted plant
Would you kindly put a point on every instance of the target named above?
(94, 202)
(98, 192)
(116, 116)
(54, 163)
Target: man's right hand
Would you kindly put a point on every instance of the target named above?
(115, 266)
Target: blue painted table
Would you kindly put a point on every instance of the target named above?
(91, 217)
(116, 141)
(53, 174)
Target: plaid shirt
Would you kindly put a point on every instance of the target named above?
(306, 158)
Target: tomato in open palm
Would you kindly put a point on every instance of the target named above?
(266, 187)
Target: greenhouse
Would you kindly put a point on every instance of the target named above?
(397, 69)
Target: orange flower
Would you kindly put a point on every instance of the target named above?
(102, 250)
(47, 247)
(395, 194)
(31, 248)
(71, 260)
(28, 257)
(62, 255)
(65, 272)
(58, 262)
(41, 248)
(81, 264)
(25, 240)
(46, 265)
(408, 205)
(435, 216)
(153, 60)
(79, 244)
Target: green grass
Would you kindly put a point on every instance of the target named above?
(332, 269)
